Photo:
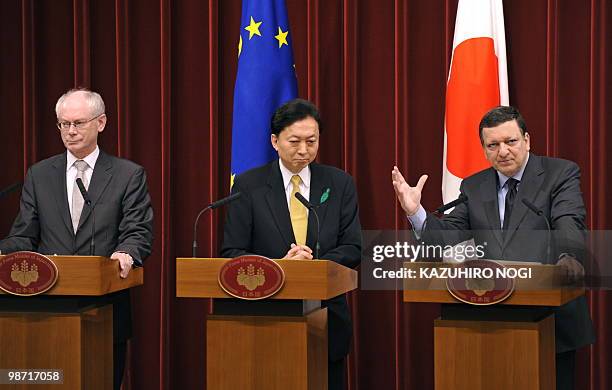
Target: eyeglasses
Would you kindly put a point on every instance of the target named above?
(77, 124)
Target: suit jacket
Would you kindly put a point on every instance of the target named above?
(259, 223)
(553, 186)
(123, 218)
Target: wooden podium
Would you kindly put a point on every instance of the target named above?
(276, 343)
(69, 327)
(498, 349)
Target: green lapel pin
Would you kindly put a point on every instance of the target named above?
(324, 196)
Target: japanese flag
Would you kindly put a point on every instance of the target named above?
(477, 82)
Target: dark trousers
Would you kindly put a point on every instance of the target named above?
(335, 374)
(119, 350)
(566, 370)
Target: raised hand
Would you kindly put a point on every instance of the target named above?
(409, 197)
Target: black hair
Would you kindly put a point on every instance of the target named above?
(293, 111)
(499, 115)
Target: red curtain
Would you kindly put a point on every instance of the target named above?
(377, 70)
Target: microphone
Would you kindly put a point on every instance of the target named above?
(212, 206)
(461, 199)
(312, 208)
(440, 210)
(540, 213)
(533, 208)
(8, 190)
(303, 201)
(224, 201)
(87, 199)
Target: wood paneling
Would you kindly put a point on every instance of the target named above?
(483, 355)
(80, 344)
(267, 353)
(318, 279)
(90, 275)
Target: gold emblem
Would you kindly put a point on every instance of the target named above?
(250, 279)
(480, 286)
(24, 274)
(480, 290)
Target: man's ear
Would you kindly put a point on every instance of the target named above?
(274, 141)
(101, 121)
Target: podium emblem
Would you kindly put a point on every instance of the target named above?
(27, 273)
(487, 290)
(251, 277)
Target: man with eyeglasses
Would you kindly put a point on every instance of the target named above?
(53, 218)
(496, 217)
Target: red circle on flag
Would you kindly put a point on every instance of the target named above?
(473, 89)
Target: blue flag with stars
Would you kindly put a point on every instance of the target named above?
(266, 79)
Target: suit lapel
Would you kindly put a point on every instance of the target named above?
(102, 175)
(277, 202)
(488, 191)
(58, 184)
(531, 182)
(319, 183)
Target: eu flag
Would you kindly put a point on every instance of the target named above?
(266, 79)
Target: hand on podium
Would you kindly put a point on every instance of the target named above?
(574, 271)
(299, 252)
(125, 263)
(409, 197)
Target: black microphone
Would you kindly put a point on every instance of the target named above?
(461, 199)
(440, 210)
(533, 208)
(224, 201)
(8, 190)
(87, 199)
(540, 213)
(213, 205)
(312, 208)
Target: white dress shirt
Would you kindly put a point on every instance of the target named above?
(304, 187)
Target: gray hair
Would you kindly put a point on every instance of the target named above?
(93, 99)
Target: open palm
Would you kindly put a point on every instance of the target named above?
(409, 197)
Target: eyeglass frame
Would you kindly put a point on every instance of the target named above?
(76, 124)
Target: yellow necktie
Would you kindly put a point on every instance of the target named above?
(299, 216)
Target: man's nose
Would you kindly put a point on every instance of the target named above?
(302, 149)
(503, 149)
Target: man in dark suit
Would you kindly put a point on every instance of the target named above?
(494, 213)
(268, 220)
(53, 218)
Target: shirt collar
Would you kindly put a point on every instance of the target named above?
(518, 176)
(89, 159)
(287, 175)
